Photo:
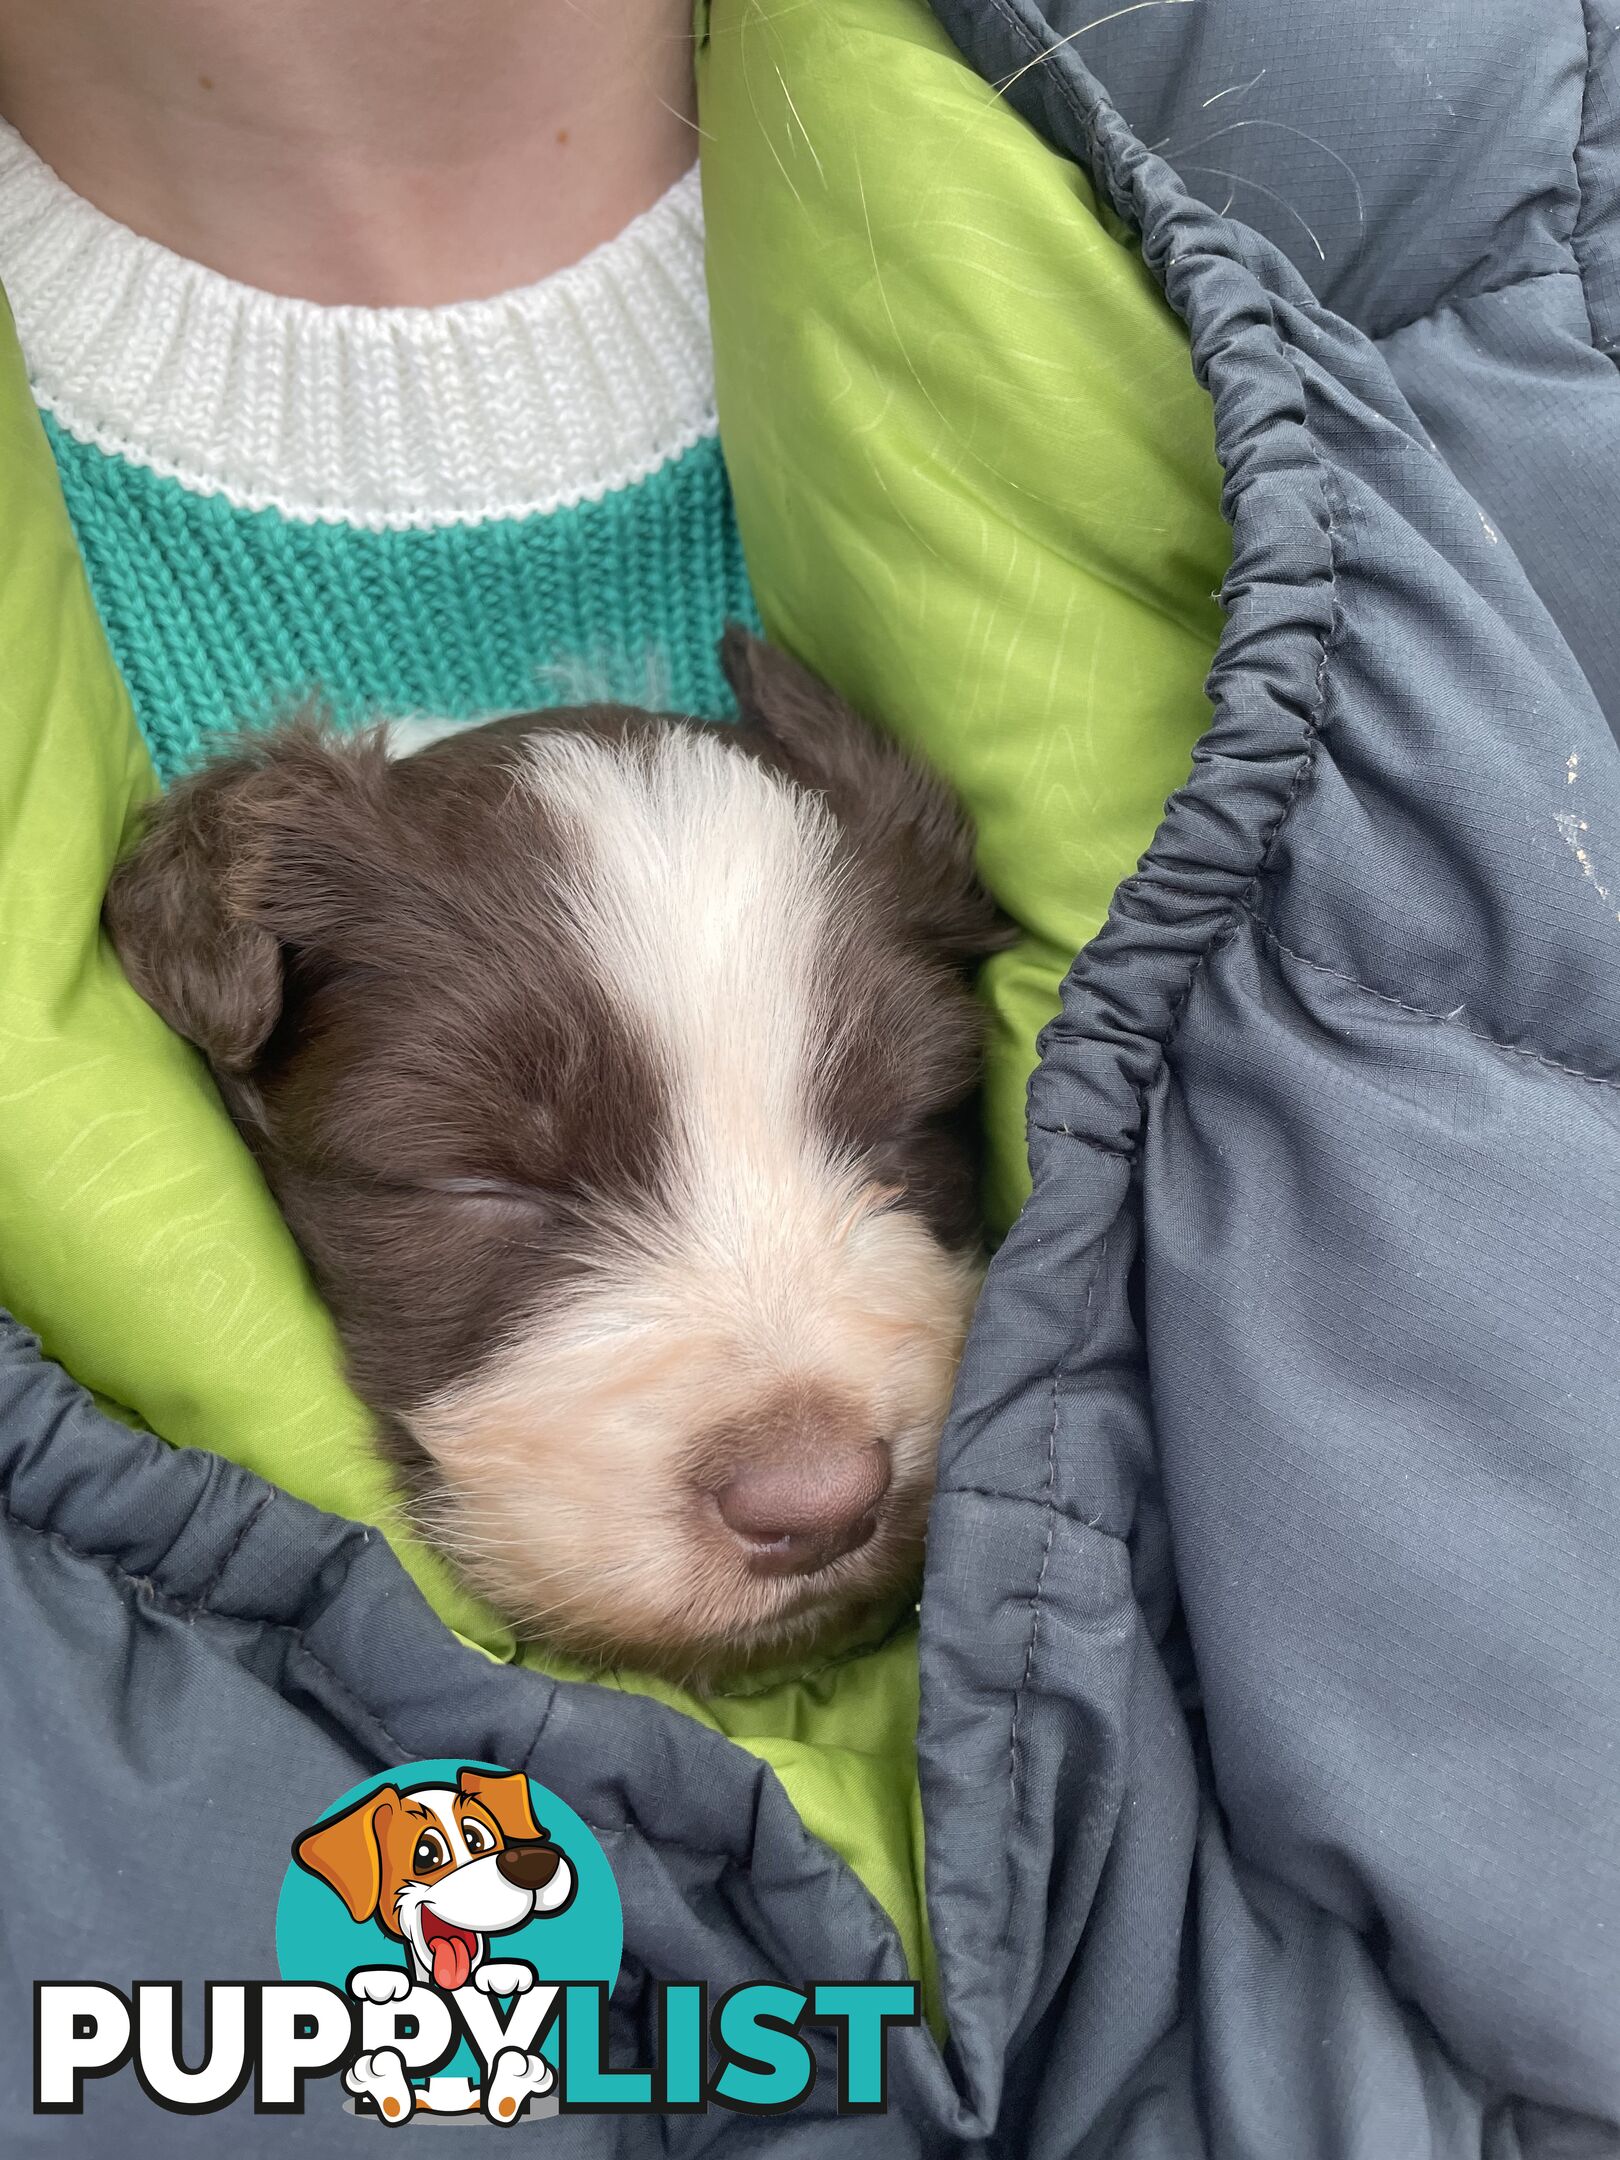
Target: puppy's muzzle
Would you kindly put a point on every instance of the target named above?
(528, 1866)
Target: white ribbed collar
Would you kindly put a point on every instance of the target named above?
(380, 417)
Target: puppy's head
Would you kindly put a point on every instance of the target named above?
(441, 1867)
(611, 1072)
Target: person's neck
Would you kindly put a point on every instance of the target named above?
(381, 153)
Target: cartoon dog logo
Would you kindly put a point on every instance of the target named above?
(443, 1869)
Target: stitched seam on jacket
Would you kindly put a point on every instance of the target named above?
(1423, 1012)
(1093, 1523)
(1048, 1501)
(1577, 229)
(205, 1594)
(1110, 1148)
(1450, 301)
(1330, 644)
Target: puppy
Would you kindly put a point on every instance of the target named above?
(611, 1071)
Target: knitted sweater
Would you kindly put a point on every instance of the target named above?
(459, 511)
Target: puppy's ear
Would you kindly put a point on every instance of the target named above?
(223, 873)
(902, 815)
(507, 1798)
(347, 1851)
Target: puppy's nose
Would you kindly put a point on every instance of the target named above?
(531, 1867)
(794, 1517)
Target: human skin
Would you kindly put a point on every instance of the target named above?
(378, 153)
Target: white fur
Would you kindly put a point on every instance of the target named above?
(414, 732)
(700, 893)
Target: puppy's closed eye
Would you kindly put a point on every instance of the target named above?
(490, 1188)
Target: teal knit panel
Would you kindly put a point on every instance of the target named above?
(218, 616)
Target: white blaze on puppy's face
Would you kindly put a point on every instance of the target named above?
(765, 1299)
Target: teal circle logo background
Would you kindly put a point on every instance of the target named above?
(317, 1940)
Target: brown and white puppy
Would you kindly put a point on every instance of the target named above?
(611, 1071)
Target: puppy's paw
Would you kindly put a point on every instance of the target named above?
(508, 1977)
(380, 1984)
(515, 2078)
(381, 2079)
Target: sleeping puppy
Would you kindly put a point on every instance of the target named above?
(611, 1072)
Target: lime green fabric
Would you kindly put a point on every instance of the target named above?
(139, 1241)
(974, 474)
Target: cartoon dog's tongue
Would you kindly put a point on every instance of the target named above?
(451, 1950)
